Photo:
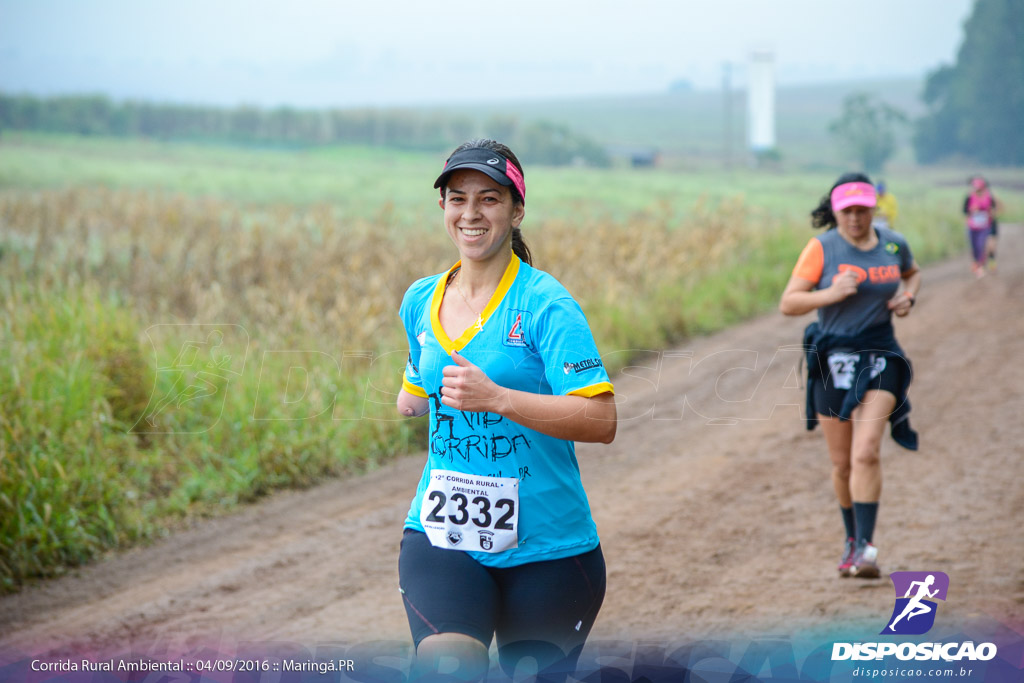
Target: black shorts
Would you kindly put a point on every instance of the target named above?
(830, 392)
(540, 609)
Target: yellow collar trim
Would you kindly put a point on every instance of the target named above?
(467, 336)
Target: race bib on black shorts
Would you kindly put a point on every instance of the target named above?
(842, 365)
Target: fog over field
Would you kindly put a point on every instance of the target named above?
(321, 53)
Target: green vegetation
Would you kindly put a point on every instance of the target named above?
(187, 328)
(360, 181)
(287, 126)
(684, 127)
(868, 129)
(689, 128)
(976, 106)
(539, 142)
(387, 186)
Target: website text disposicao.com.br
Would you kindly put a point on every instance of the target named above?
(959, 660)
(901, 673)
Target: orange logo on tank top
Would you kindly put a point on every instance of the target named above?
(876, 274)
(857, 270)
(880, 274)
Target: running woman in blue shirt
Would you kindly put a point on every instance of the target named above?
(499, 541)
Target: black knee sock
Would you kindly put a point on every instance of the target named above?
(865, 515)
(851, 528)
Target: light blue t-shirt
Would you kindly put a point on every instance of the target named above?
(534, 338)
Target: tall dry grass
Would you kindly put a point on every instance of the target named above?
(295, 275)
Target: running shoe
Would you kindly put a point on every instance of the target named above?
(846, 561)
(865, 562)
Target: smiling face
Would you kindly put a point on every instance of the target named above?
(479, 215)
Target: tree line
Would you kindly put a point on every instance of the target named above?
(538, 142)
(975, 107)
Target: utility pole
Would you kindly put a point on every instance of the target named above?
(727, 113)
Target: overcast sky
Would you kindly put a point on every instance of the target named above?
(320, 53)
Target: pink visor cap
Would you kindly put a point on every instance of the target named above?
(487, 161)
(853, 194)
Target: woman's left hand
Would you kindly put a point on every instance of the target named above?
(901, 304)
(467, 387)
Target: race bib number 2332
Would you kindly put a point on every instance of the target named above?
(463, 511)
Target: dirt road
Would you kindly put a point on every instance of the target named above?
(714, 506)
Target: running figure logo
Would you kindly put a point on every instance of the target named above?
(208, 358)
(914, 613)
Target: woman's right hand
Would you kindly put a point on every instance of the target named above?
(844, 285)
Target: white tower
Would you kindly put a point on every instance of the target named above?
(761, 102)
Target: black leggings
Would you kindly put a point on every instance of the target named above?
(543, 610)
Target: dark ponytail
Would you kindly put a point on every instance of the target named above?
(519, 246)
(822, 216)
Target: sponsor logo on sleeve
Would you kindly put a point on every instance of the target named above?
(582, 366)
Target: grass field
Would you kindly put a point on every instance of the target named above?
(691, 127)
(187, 328)
(383, 185)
